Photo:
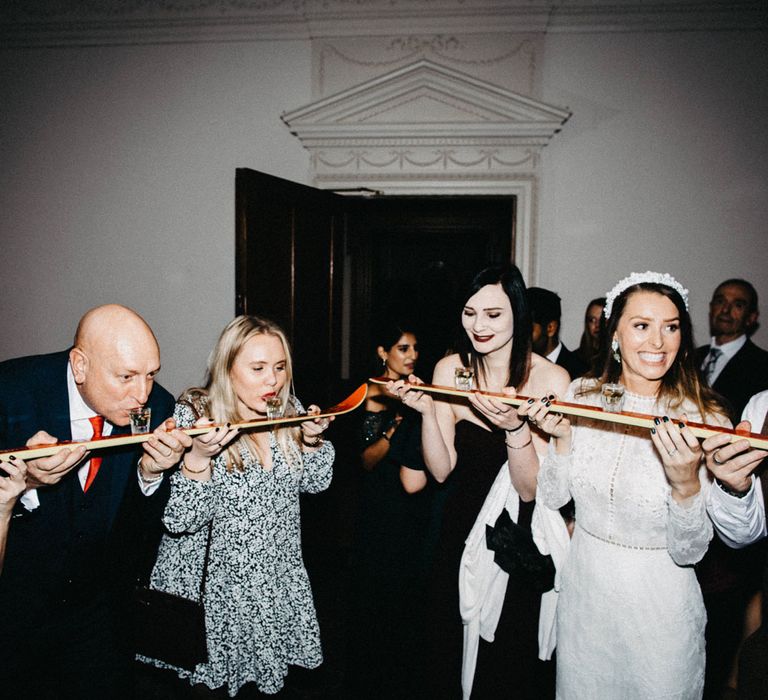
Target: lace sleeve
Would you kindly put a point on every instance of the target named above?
(553, 489)
(689, 530)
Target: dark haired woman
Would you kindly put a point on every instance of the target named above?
(466, 445)
(590, 338)
(390, 530)
(630, 619)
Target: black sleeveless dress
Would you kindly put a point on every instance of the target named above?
(508, 667)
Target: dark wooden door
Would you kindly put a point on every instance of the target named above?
(413, 257)
(288, 263)
(406, 257)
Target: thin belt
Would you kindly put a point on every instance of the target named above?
(614, 542)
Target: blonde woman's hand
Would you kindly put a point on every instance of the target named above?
(211, 443)
(312, 430)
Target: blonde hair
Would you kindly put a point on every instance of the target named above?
(221, 399)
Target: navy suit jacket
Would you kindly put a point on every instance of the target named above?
(33, 396)
(745, 375)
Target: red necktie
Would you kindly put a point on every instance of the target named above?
(98, 425)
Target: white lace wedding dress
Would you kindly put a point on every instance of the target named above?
(630, 619)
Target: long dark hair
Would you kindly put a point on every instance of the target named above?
(589, 346)
(681, 381)
(510, 279)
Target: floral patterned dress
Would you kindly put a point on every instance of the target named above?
(260, 615)
(630, 618)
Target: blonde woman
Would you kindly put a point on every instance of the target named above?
(260, 616)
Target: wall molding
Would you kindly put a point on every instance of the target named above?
(426, 128)
(30, 23)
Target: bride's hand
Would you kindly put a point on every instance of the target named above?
(680, 454)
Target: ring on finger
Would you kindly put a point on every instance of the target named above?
(716, 460)
(673, 451)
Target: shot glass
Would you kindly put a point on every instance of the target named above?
(140, 418)
(612, 397)
(463, 378)
(274, 407)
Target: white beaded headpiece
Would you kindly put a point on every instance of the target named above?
(638, 278)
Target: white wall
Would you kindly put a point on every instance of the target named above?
(117, 176)
(117, 170)
(663, 166)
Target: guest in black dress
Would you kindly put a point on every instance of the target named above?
(465, 444)
(387, 555)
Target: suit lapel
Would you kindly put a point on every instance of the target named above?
(54, 415)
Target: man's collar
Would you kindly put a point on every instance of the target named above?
(552, 357)
(78, 409)
(731, 347)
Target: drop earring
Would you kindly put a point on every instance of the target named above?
(615, 349)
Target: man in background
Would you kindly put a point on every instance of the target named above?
(545, 316)
(731, 363)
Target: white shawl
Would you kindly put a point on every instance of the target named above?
(483, 584)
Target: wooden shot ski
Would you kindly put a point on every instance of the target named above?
(350, 403)
(640, 420)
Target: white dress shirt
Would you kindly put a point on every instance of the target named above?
(552, 357)
(742, 521)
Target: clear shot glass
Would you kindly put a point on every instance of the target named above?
(612, 397)
(463, 378)
(274, 407)
(140, 418)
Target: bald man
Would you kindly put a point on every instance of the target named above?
(80, 528)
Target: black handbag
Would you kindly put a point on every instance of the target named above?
(168, 627)
(517, 554)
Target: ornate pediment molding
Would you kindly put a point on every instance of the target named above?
(26, 23)
(423, 120)
(425, 128)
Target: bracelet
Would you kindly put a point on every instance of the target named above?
(158, 475)
(730, 491)
(318, 440)
(149, 482)
(386, 437)
(195, 471)
(519, 447)
(512, 431)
